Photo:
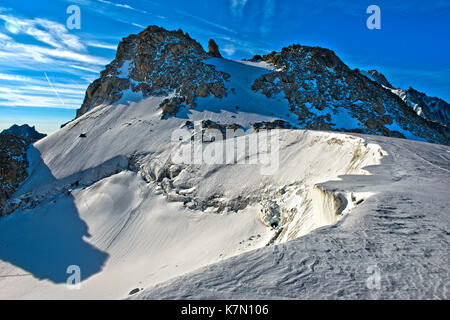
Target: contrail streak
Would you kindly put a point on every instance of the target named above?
(56, 92)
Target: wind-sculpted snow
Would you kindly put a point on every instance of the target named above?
(394, 245)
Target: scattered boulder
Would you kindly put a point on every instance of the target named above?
(134, 291)
(270, 214)
(256, 58)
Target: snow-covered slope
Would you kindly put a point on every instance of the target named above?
(394, 245)
(114, 204)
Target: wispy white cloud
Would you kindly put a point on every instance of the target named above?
(39, 96)
(24, 100)
(57, 44)
(120, 5)
(29, 54)
(45, 46)
(138, 25)
(21, 91)
(101, 45)
(4, 37)
(250, 47)
(268, 12)
(237, 7)
(13, 77)
(54, 90)
(45, 31)
(229, 49)
(84, 68)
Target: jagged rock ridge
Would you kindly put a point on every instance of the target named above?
(430, 108)
(323, 93)
(318, 85)
(24, 131)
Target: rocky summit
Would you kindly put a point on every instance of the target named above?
(24, 131)
(156, 62)
(317, 84)
(213, 49)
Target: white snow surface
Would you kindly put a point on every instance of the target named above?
(398, 236)
(114, 204)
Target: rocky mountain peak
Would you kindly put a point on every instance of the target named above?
(379, 77)
(156, 62)
(321, 90)
(316, 57)
(24, 131)
(431, 108)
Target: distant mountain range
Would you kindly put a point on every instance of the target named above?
(430, 108)
(24, 131)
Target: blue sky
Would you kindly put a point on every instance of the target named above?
(45, 68)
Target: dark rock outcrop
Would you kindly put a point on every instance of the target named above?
(318, 85)
(379, 77)
(213, 49)
(13, 164)
(256, 58)
(14, 143)
(430, 108)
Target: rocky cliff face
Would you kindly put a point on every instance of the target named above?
(153, 63)
(377, 77)
(213, 49)
(430, 108)
(13, 164)
(14, 143)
